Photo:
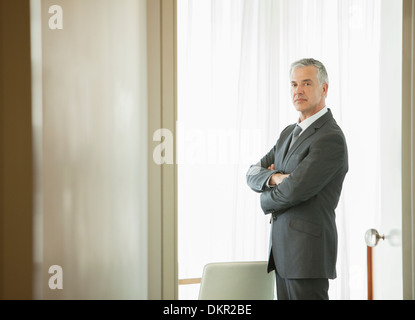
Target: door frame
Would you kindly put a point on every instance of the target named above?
(162, 179)
(408, 149)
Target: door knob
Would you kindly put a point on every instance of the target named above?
(372, 237)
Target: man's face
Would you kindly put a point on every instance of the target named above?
(307, 94)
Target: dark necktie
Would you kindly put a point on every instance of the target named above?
(295, 135)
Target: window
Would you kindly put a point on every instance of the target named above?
(233, 102)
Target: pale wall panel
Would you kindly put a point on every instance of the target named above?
(94, 150)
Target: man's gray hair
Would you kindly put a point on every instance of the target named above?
(322, 72)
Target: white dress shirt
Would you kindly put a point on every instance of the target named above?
(309, 121)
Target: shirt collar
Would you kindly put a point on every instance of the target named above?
(309, 121)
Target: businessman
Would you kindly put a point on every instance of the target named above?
(300, 181)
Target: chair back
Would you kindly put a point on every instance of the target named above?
(237, 281)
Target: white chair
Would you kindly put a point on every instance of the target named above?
(237, 281)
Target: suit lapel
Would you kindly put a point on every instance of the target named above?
(306, 134)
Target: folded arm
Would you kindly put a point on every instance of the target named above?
(313, 173)
(259, 174)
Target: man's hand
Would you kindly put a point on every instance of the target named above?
(277, 178)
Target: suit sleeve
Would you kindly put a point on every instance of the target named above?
(258, 174)
(323, 162)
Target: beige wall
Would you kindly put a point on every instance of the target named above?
(92, 168)
(86, 78)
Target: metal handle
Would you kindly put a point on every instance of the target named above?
(372, 237)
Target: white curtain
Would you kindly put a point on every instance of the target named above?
(233, 101)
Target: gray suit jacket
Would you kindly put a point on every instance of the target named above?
(304, 234)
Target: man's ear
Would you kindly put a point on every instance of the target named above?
(325, 89)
